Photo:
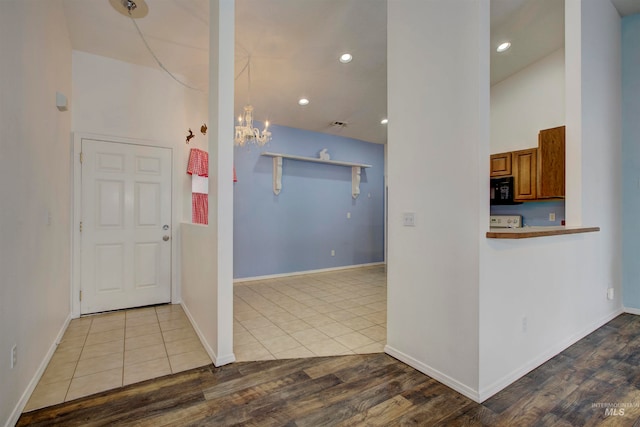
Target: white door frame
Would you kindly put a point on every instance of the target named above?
(76, 201)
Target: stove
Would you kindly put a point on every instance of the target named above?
(505, 221)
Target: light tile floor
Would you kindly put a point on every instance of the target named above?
(322, 314)
(112, 350)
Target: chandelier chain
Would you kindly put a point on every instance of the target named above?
(144, 40)
(245, 132)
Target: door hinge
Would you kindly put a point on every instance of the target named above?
(80, 295)
(81, 157)
(81, 226)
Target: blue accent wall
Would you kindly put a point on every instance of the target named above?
(296, 230)
(631, 161)
(534, 213)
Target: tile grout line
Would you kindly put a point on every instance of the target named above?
(75, 368)
(320, 291)
(83, 340)
(286, 333)
(164, 343)
(124, 345)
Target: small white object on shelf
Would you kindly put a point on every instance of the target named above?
(324, 154)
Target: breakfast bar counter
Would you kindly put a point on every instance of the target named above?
(530, 232)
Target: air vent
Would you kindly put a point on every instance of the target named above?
(339, 124)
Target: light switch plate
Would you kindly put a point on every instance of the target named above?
(409, 219)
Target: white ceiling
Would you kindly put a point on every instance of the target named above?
(294, 47)
(535, 28)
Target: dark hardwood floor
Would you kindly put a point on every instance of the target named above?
(569, 390)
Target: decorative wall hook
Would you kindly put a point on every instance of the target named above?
(203, 129)
(191, 135)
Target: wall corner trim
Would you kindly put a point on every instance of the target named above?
(434, 373)
(17, 411)
(515, 375)
(217, 361)
(630, 310)
(224, 360)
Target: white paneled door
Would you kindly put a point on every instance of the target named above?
(126, 226)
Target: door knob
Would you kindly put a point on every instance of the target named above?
(165, 238)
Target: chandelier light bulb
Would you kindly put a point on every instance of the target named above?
(303, 101)
(384, 121)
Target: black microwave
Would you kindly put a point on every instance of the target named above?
(501, 191)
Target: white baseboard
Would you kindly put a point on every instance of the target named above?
(510, 378)
(217, 361)
(24, 399)
(433, 373)
(301, 273)
(629, 310)
(224, 360)
(487, 392)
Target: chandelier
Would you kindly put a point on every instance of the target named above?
(245, 132)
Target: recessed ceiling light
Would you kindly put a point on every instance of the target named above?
(346, 58)
(503, 46)
(384, 121)
(303, 101)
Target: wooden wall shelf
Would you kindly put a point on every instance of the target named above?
(356, 170)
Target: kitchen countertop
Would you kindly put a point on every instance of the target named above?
(529, 232)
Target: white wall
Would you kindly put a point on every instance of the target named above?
(559, 283)
(526, 102)
(116, 98)
(197, 113)
(141, 104)
(199, 286)
(438, 146)
(34, 183)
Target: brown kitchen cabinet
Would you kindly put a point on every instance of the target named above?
(501, 164)
(524, 165)
(551, 163)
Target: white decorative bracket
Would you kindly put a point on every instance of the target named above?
(277, 175)
(356, 170)
(355, 181)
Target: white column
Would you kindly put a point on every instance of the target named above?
(438, 151)
(221, 81)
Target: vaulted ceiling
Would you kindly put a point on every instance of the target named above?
(294, 46)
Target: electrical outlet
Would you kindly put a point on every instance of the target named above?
(14, 356)
(348, 215)
(333, 252)
(409, 219)
(552, 216)
(610, 294)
